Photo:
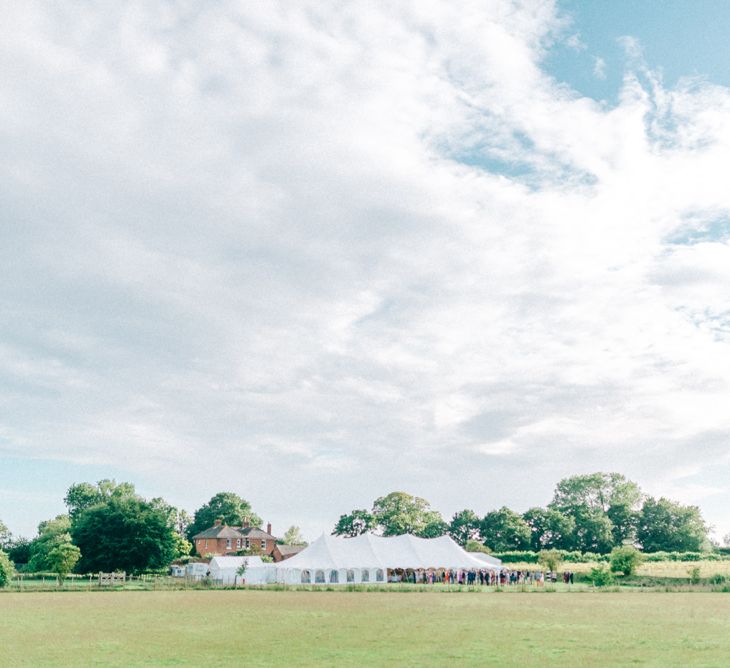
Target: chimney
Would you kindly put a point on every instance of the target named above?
(217, 523)
(245, 523)
(268, 528)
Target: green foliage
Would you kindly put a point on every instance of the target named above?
(518, 556)
(355, 523)
(550, 560)
(125, 533)
(19, 551)
(228, 507)
(62, 560)
(6, 569)
(604, 507)
(601, 576)
(465, 526)
(668, 526)
(550, 529)
(400, 513)
(51, 534)
(625, 560)
(694, 575)
(476, 546)
(505, 529)
(84, 495)
(293, 536)
(393, 515)
(6, 538)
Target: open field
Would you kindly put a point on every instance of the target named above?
(267, 628)
(657, 569)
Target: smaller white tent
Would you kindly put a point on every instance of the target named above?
(224, 570)
(488, 559)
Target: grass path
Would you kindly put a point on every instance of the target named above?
(259, 628)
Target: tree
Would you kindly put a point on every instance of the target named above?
(6, 538)
(83, 495)
(625, 560)
(668, 526)
(464, 526)
(550, 560)
(355, 523)
(400, 513)
(593, 530)
(179, 521)
(228, 507)
(587, 497)
(125, 533)
(476, 546)
(6, 569)
(293, 536)
(549, 529)
(51, 534)
(62, 560)
(19, 551)
(504, 530)
(240, 572)
(726, 540)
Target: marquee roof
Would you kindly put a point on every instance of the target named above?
(370, 551)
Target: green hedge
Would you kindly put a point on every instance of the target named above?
(531, 557)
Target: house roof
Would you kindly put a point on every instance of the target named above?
(255, 532)
(223, 531)
(220, 531)
(289, 550)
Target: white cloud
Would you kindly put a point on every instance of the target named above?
(350, 248)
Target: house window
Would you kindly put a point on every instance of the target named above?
(263, 544)
(365, 575)
(247, 544)
(350, 575)
(319, 576)
(306, 577)
(379, 576)
(228, 542)
(334, 576)
(206, 543)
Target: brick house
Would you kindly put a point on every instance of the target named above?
(221, 539)
(282, 552)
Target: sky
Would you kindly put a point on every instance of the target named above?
(316, 252)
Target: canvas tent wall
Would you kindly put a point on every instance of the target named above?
(367, 558)
(224, 570)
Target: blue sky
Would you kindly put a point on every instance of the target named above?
(316, 253)
(677, 38)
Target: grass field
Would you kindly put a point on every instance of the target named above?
(260, 628)
(659, 569)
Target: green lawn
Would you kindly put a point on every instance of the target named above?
(344, 629)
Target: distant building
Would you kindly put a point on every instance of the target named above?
(282, 552)
(221, 540)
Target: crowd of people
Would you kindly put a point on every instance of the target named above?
(482, 577)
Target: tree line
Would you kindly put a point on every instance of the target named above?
(588, 513)
(110, 527)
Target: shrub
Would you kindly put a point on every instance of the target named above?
(601, 576)
(550, 559)
(625, 560)
(718, 579)
(694, 575)
(6, 569)
(514, 556)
